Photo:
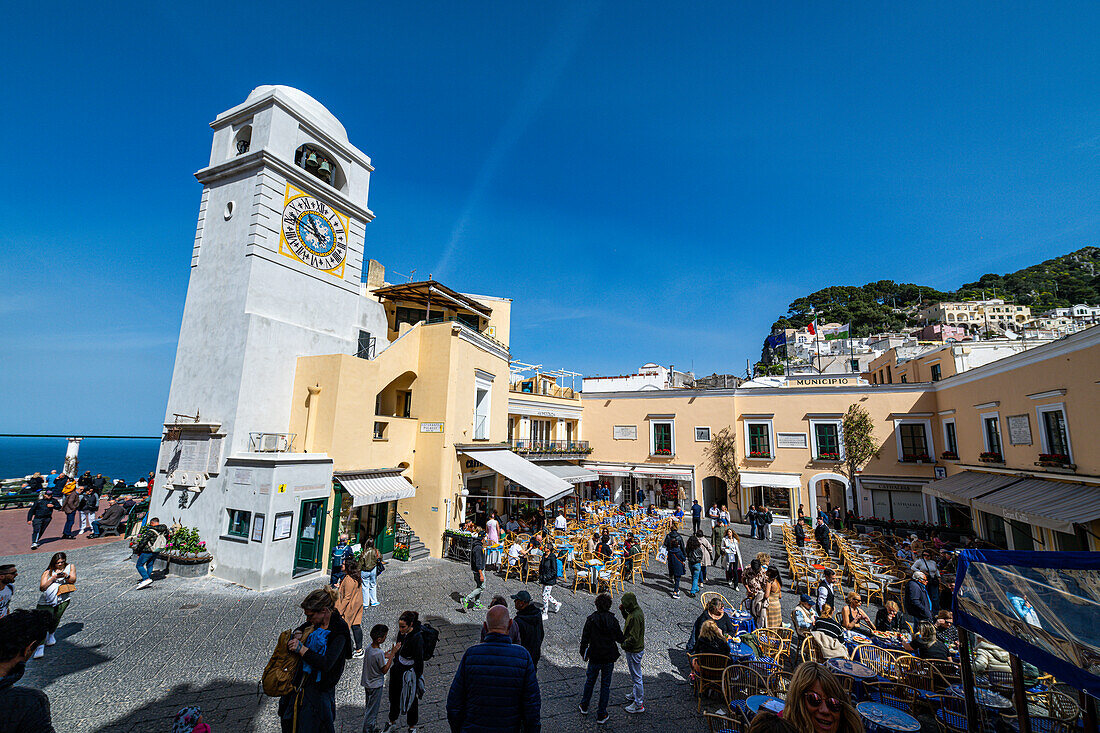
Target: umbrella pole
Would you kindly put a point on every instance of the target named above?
(1023, 715)
(968, 681)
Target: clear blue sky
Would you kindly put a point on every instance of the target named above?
(648, 181)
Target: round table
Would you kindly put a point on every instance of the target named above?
(742, 621)
(594, 563)
(884, 576)
(887, 718)
(739, 650)
(755, 702)
(985, 698)
(851, 669)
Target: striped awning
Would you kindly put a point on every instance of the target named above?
(375, 486)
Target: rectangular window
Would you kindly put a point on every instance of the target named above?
(380, 431)
(569, 432)
(828, 441)
(993, 435)
(662, 438)
(469, 319)
(239, 523)
(914, 446)
(1054, 431)
(936, 373)
(855, 365)
(702, 435)
(365, 347)
(760, 444)
(483, 383)
(405, 399)
(949, 438)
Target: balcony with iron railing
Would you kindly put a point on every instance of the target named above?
(551, 448)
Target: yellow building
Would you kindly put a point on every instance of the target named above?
(976, 313)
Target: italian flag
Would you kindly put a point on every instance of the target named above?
(812, 328)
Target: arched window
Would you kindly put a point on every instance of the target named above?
(316, 161)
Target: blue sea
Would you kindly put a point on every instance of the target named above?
(124, 458)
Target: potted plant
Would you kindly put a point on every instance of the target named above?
(949, 455)
(1054, 460)
(990, 457)
(186, 554)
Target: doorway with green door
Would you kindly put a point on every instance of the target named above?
(308, 554)
(376, 521)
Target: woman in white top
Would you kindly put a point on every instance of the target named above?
(731, 551)
(55, 585)
(724, 516)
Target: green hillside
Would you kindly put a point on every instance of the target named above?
(886, 305)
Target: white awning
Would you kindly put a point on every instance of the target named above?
(375, 487)
(780, 480)
(570, 472)
(968, 485)
(523, 472)
(661, 472)
(1056, 505)
(605, 470)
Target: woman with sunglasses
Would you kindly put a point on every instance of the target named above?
(816, 703)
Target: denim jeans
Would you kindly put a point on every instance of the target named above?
(69, 519)
(144, 562)
(696, 569)
(752, 531)
(634, 664)
(370, 587)
(604, 670)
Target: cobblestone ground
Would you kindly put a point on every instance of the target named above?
(127, 659)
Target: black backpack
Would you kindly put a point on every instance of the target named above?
(429, 635)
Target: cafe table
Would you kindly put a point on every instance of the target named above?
(767, 702)
(851, 669)
(742, 621)
(885, 718)
(985, 698)
(740, 651)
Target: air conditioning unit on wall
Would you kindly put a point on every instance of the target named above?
(269, 443)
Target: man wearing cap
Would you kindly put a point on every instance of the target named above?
(40, 514)
(917, 603)
(927, 565)
(529, 620)
(803, 615)
(825, 590)
(905, 554)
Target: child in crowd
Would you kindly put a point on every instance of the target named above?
(189, 720)
(376, 664)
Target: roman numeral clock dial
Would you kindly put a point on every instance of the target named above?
(313, 232)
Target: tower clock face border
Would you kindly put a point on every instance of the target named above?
(313, 232)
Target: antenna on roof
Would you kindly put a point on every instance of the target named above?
(409, 276)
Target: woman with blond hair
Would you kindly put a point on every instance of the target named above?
(853, 615)
(324, 644)
(816, 703)
(711, 640)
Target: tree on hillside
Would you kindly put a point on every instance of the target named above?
(721, 453)
(859, 443)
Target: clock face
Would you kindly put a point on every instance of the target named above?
(314, 232)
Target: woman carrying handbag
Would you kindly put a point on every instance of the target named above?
(57, 583)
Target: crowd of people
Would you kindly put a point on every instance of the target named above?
(81, 500)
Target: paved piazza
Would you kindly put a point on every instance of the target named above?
(127, 660)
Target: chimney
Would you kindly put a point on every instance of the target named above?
(376, 274)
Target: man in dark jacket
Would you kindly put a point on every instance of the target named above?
(696, 516)
(800, 533)
(765, 518)
(598, 646)
(634, 648)
(495, 687)
(112, 517)
(917, 603)
(821, 534)
(529, 621)
(477, 565)
(750, 518)
(25, 709)
(40, 514)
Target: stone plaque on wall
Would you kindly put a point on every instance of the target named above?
(792, 440)
(1019, 430)
(625, 432)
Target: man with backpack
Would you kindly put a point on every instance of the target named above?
(151, 541)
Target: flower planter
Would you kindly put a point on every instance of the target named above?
(189, 567)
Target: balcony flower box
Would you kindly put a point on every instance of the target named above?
(826, 456)
(662, 452)
(991, 457)
(1055, 460)
(949, 455)
(758, 454)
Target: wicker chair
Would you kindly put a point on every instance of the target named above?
(773, 644)
(890, 693)
(779, 683)
(809, 652)
(722, 723)
(950, 712)
(580, 572)
(739, 682)
(947, 672)
(706, 595)
(883, 661)
(763, 667)
(918, 674)
(708, 674)
(610, 575)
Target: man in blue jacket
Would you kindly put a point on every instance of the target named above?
(495, 687)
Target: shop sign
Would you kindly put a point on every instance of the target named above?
(821, 382)
(471, 463)
(431, 427)
(1019, 430)
(792, 440)
(875, 486)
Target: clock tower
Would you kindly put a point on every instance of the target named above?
(275, 275)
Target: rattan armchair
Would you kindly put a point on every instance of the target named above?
(708, 674)
(738, 684)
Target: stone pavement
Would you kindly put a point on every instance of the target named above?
(15, 535)
(127, 659)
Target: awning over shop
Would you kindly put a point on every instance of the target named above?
(529, 475)
(375, 486)
(1056, 505)
(968, 485)
(570, 472)
(662, 472)
(605, 470)
(750, 479)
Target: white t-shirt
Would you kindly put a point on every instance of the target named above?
(49, 596)
(5, 599)
(559, 522)
(515, 551)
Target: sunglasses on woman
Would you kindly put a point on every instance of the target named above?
(815, 700)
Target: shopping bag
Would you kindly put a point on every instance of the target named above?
(662, 555)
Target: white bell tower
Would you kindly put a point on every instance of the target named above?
(275, 275)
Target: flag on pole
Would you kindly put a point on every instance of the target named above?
(839, 332)
(812, 328)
